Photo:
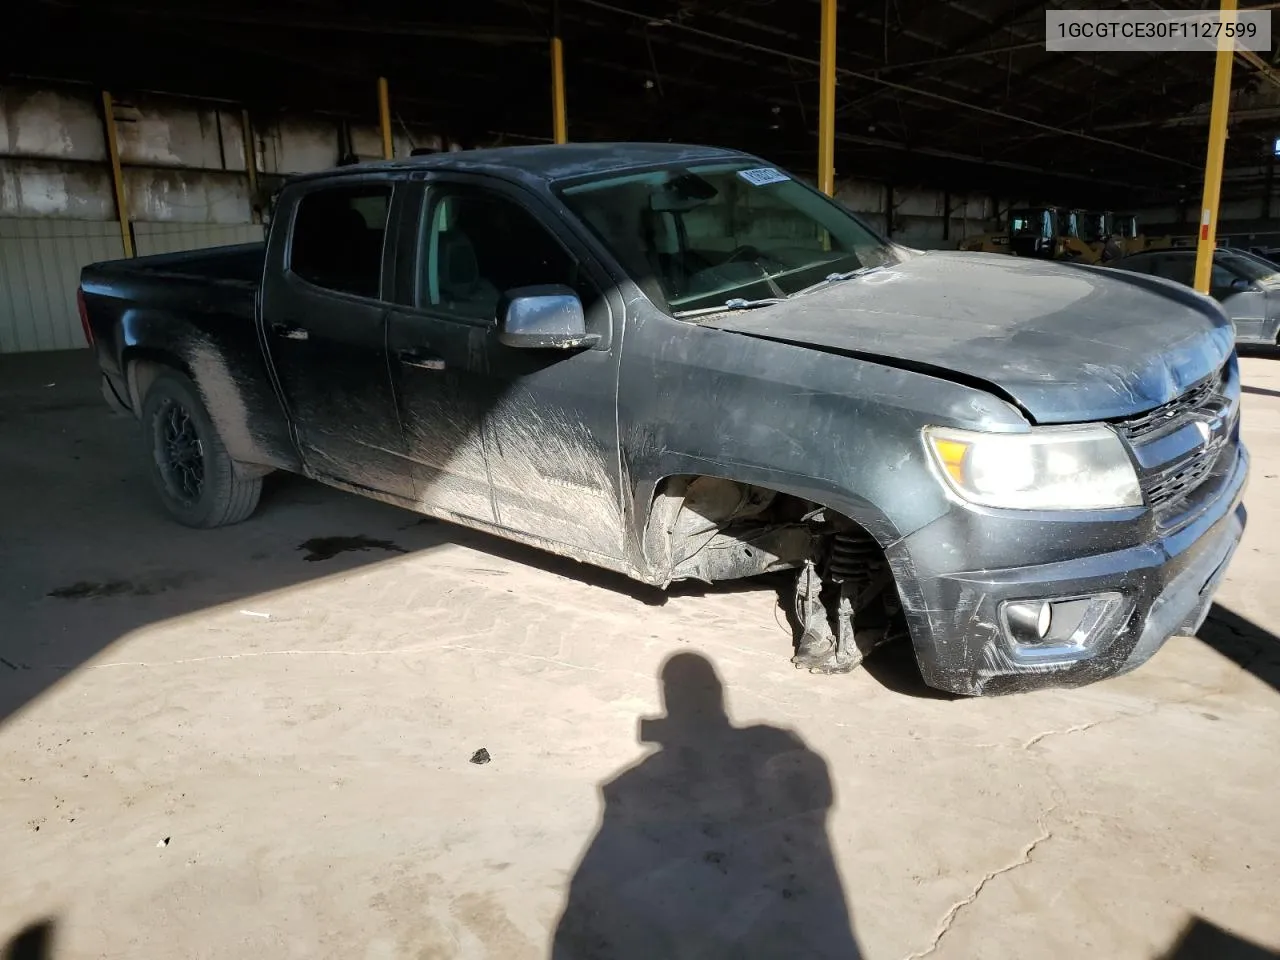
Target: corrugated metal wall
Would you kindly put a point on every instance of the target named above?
(152, 238)
(185, 182)
(40, 263)
(186, 187)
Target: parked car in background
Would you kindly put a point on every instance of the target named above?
(1270, 254)
(1247, 286)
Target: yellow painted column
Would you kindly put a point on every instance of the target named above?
(559, 120)
(827, 101)
(384, 118)
(1217, 144)
(117, 174)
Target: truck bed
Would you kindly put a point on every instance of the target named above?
(211, 286)
(196, 312)
(240, 262)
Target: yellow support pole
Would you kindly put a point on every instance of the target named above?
(117, 175)
(1217, 144)
(559, 121)
(384, 118)
(827, 101)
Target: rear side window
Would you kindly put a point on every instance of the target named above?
(338, 236)
(1179, 268)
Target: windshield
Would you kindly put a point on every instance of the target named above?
(1093, 226)
(695, 237)
(1250, 266)
(1031, 223)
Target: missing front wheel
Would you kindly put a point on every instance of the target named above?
(845, 605)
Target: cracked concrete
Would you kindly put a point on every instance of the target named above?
(949, 917)
(310, 767)
(1078, 728)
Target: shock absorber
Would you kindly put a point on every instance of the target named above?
(854, 557)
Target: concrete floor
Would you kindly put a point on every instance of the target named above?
(220, 744)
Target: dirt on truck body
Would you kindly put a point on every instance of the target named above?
(683, 363)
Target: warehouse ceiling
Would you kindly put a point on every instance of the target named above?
(949, 93)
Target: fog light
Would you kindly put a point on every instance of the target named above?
(1062, 628)
(1029, 620)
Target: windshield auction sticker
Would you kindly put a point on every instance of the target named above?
(1120, 31)
(763, 176)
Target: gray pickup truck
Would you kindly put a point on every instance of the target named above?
(684, 363)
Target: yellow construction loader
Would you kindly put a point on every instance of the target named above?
(986, 243)
(1058, 233)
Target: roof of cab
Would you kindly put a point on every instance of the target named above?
(547, 162)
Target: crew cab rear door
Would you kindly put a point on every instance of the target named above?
(324, 326)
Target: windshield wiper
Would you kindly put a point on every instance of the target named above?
(740, 304)
(835, 278)
(729, 305)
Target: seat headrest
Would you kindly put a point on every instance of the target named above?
(459, 268)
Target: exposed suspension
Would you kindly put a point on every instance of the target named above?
(853, 573)
(854, 558)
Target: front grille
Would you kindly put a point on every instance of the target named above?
(1171, 486)
(1171, 413)
(1172, 483)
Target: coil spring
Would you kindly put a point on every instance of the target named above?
(854, 555)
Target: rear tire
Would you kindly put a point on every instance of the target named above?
(197, 480)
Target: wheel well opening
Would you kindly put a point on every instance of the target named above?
(712, 529)
(141, 370)
(843, 601)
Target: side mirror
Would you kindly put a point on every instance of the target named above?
(1240, 283)
(546, 317)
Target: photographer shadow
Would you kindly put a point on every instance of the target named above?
(713, 846)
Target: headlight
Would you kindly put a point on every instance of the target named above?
(1050, 468)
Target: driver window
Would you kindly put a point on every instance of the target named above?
(475, 245)
(1179, 268)
(1220, 282)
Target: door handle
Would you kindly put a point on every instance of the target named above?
(420, 360)
(289, 333)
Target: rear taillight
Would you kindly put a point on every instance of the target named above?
(84, 316)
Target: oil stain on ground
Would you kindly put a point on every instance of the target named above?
(94, 589)
(89, 589)
(326, 548)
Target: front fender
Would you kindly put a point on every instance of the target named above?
(839, 431)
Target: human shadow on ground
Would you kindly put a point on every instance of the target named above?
(715, 845)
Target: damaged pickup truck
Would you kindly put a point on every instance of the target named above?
(683, 363)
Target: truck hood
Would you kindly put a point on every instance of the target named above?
(1066, 342)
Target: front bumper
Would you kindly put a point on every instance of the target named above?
(1167, 585)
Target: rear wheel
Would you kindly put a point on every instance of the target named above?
(189, 466)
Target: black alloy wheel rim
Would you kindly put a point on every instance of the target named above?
(181, 454)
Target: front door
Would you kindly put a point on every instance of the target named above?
(325, 326)
(1244, 301)
(536, 429)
